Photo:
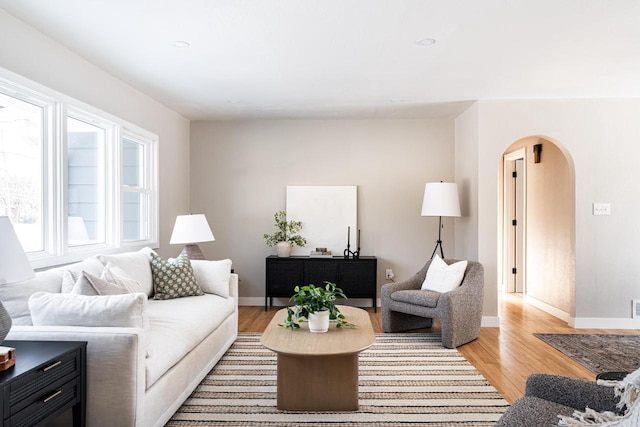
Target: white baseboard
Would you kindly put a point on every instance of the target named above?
(490, 322)
(283, 302)
(555, 312)
(603, 323)
(487, 321)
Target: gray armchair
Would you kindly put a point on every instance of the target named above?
(547, 396)
(405, 306)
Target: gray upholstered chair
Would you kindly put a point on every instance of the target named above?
(547, 396)
(405, 306)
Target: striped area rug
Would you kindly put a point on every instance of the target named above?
(405, 380)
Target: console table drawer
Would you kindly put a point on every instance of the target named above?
(46, 404)
(40, 382)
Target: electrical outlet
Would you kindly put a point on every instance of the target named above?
(389, 274)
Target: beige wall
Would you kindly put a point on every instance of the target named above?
(34, 56)
(550, 224)
(240, 170)
(602, 138)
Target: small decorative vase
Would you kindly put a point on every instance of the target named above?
(283, 249)
(319, 321)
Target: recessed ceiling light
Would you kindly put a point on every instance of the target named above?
(425, 42)
(181, 44)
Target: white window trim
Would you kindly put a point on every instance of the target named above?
(57, 106)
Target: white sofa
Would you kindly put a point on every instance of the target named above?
(137, 376)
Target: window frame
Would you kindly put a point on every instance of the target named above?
(56, 108)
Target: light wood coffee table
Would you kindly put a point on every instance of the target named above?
(319, 372)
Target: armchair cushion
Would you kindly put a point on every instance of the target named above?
(422, 298)
(442, 277)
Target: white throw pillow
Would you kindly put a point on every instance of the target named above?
(91, 285)
(69, 279)
(442, 277)
(114, 274)
(125, 310)
(135, 264)
(71, 272)
(213, 276)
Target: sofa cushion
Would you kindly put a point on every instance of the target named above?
(179, 325)
(135, 264)
(417, 297)
(442, 277)
(173, 279)
(125, 310)
(90, 285)
(213, 276)
(15, 296)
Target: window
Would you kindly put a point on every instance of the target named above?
(74, 181)
(86, 182)
(22, 141)
(137, 176)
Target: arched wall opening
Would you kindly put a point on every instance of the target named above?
(548, 232)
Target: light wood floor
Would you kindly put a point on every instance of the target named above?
(506, 356)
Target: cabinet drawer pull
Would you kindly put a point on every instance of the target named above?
(53, 365)
(48, 398)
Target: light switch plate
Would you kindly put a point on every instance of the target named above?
(602, 208)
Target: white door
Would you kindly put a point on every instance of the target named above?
(514, 225)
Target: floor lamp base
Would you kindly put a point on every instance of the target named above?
(439, 242)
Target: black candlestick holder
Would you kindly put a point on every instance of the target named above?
(348, 253)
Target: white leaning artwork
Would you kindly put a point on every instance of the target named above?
(326, 212)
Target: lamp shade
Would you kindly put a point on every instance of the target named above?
(191, 229)
(441, 199)
(14, 264)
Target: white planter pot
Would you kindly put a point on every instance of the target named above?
(319, 321)
(283, 249)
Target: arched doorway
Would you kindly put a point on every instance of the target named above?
(537, 217)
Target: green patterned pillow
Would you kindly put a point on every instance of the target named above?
(173, 279)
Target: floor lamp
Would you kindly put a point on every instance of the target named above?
(440, 199)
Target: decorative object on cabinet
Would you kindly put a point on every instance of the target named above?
(348, 253)
(286, 236)
(190, 230)
(14, 267)
(440, 199)
(326, 211)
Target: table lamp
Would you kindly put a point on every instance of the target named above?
(440, 199)
(190, 230)
(14, 267)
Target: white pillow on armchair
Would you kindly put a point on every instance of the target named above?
(442, 277)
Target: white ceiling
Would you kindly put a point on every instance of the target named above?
(349, 58)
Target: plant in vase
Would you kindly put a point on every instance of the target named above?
(286, 236)
(316, 304)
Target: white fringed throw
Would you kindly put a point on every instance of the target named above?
(629, 392)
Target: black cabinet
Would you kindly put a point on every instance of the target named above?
(356, 277)
(48, 378)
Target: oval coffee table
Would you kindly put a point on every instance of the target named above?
(319, 372)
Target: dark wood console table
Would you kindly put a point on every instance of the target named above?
(48, 378)
(356, 277)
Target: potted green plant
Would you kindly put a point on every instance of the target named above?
(317, 305)
(286, 236)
